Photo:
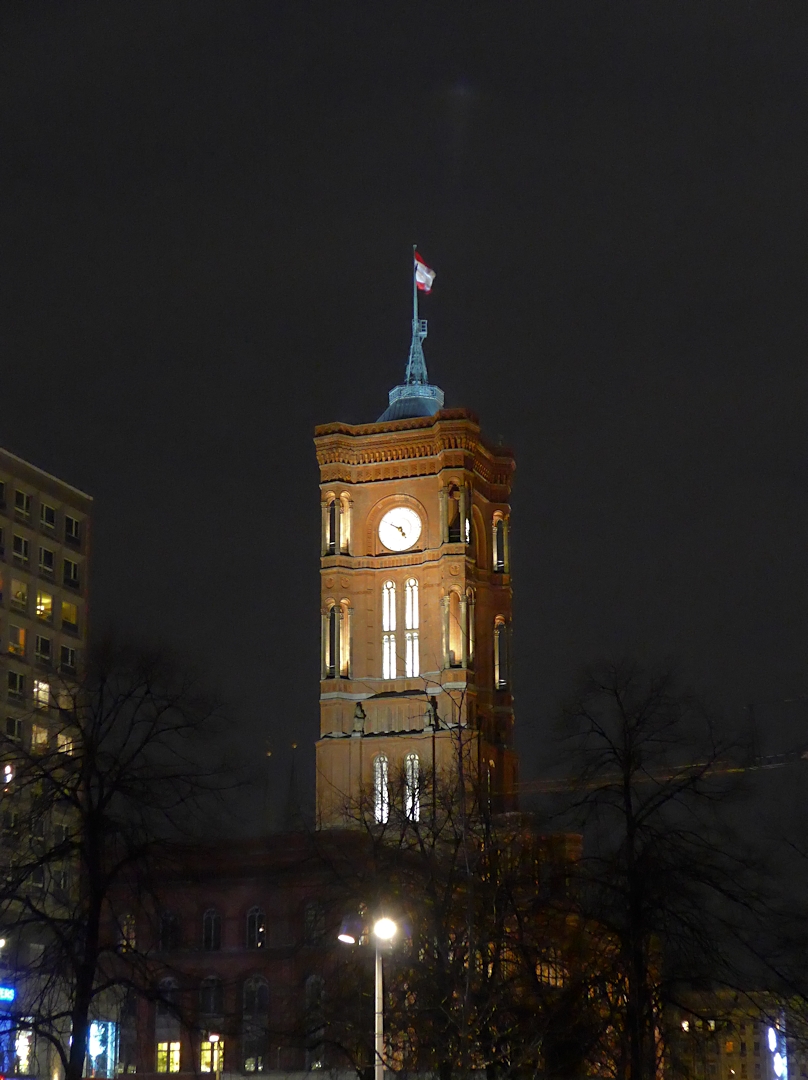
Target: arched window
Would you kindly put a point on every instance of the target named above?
(211, 997)
(499, 546)
(453, 515)
(313, 922)
(168, 998)
(412, 789)
(455, 631)
(169, 931)
(211, 930)
(332, 545)
(345, 640)
(500, 653)
(411, 622)
(381, 789)
(345, 523)
(388, 630)
(256, 929)
(332, 645)
(255, 1013)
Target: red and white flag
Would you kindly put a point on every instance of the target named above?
(423, 275)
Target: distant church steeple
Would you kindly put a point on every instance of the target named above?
(416, 396)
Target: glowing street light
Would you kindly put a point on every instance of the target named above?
(384, 930)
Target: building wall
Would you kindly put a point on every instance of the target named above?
(440, 467)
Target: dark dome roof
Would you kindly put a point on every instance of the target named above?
(407, 408)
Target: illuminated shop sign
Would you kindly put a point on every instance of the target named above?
(7, 993)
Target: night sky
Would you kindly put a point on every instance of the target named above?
(207, 211)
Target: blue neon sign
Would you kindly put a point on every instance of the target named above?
(7, 993)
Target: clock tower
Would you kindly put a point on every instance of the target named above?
(415, 686)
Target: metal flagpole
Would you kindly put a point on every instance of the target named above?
(414, 293)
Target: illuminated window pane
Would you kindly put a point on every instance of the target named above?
(211, 1056)
(388, 606)
(39, 738)
(41, 693)
(413, 660)
(381, 791)
(19, 594)
(64, 743)
(44, 606)
(16, 640)
(388, 656)
(70, 615)
(412, 798)
(411, 605)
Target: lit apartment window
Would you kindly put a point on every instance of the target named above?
(39, 738)
(47, 516)
(127, 939)
(19, 594)
(64, 742)
(256, 929)
(381, 789)
(67, 659)
(388, 630)
(13, 728)
(168, 1057)
(412, 792)
(16, 685)
(46, 561)
(41, 694)
(8, 775)
(43, 649)
(72, 530)
(22, 505)
(211, 1056)
(71, 573)
(16, 640)
(70, 616)
(44, 606)
(20, 550)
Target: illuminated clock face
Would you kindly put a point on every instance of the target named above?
(400, 528)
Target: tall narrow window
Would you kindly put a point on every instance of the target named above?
(381, 790)
(333, 642)
(332, 527)
(499, 545)
(456, 630)
(254, 1029)
(211, 930)
(345, 523)
(345, 640)
(412, 658)
(256, 929)
(412, 792)
(388, 630)
(500, 653)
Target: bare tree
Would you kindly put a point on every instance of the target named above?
(117, 763)
(671, 895)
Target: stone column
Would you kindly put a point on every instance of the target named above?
(324, 509)
(443, 499)
(444, 603)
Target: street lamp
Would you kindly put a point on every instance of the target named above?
(384, 930)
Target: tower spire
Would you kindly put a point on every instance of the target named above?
(415, 396)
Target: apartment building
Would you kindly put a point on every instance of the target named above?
(44, 576)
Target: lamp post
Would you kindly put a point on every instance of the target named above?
(384, 930)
